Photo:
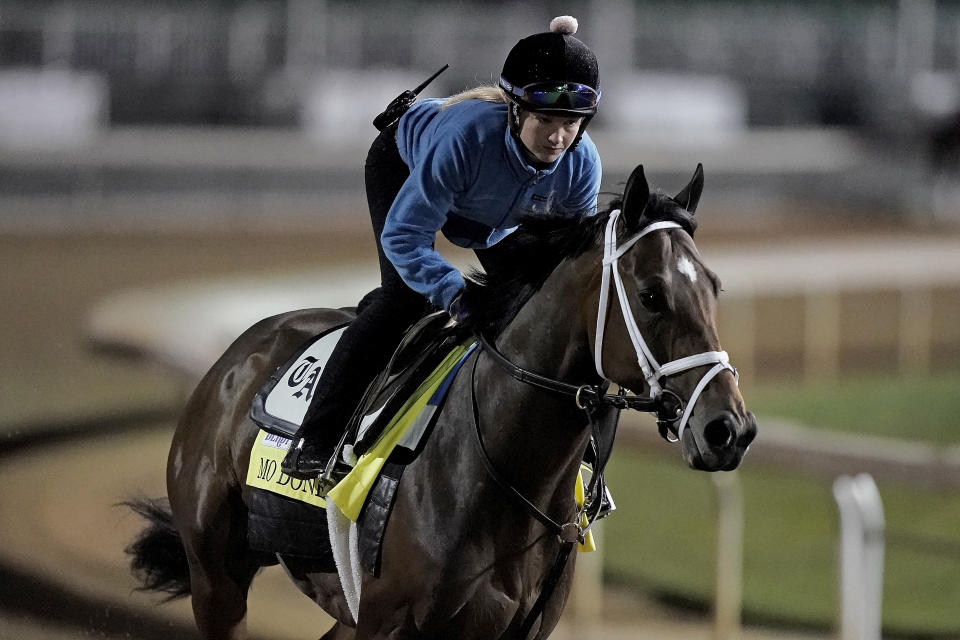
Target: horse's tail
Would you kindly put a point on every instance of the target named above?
(158, 558)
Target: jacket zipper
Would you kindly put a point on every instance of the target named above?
(535, 179)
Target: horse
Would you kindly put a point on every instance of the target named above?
(469, 550)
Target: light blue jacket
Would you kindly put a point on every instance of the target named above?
(469, 179)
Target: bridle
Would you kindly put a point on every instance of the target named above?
(653, 372)
(667, 405)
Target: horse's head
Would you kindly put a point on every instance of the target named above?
(656, 330)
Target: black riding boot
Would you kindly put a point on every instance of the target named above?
(364, 349)
(337, 392)
(311, 450)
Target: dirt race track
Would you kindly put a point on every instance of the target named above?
(80, 432)
(62, 535)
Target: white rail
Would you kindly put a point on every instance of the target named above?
(861, 556)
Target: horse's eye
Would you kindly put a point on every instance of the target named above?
(653, 300)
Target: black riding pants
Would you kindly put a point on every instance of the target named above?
(384, 314)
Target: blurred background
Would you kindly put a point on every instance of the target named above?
(171, 171)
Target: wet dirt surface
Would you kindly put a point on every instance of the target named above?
(63, 572)
(80, 432)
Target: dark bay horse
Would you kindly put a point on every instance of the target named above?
(608, 297)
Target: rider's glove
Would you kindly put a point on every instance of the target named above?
(459, 310)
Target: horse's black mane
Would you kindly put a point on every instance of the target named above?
(542, 243)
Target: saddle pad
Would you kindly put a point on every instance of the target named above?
(264, 471)
(282, 403)
(406, 429)
(278, 525)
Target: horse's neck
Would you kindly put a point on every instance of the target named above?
(548, 336)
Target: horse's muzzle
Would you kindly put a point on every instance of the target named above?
(721, 443)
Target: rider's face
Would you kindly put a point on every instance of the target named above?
(546, 136)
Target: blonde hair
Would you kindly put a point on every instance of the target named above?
(490, 93)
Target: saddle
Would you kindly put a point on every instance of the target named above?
(422, 349)
(279, 407)
(290, 523)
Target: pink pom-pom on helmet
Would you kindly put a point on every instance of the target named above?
(564, 24)
(557, 58)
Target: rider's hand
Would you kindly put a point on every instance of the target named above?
(459, 310)
(467, 306)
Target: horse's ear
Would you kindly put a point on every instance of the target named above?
(635, 197)
(689, 196)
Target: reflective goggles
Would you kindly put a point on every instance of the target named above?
(561, 96)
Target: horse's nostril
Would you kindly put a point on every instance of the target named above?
(719, 433)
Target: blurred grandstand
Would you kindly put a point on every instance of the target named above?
(259, 112)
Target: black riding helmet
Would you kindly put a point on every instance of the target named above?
(553, 73)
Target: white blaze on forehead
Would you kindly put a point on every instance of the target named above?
(685, 266)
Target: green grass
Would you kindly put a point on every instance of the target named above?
(916, 408)
(662, 541)
(662, 538)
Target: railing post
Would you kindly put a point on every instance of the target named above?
(916, 329)
(738, 326)
(729, 587)
(821, 334)
(861, 556)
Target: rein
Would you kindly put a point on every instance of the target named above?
(568, 533)
(585, 395)
(589, 398)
